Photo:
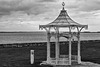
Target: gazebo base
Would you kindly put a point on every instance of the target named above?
(83, 64)
(60, 61)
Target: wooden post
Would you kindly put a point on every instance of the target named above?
(32, 56)
(79, 56)
(48, 46)
(69, 46)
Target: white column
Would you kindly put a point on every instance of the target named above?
(79, 56)
(48, 46)
(57, 44)
(70, 50)
(69, 46)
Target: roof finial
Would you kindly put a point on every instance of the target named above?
(63, 4)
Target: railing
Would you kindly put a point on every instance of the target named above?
(73, 57)
(62, 60)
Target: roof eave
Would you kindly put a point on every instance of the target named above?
(41, 26)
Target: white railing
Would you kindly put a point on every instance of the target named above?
(64, 56)
(73, 57)
(62, 60)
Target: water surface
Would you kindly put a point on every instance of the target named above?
(26, 37)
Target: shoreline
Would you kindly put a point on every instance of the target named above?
(39, 43)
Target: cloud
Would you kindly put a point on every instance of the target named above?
(7, 6)
(84, 5)
(90, 5)
(46, 0)
(28, 6)
(84, 8)
(28, 14)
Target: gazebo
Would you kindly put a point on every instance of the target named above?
(63, 21)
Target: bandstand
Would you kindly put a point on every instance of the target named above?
(72, 28)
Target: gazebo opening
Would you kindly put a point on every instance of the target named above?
(72, 30)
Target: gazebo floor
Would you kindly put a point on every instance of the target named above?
(83, 64)
(60, 61)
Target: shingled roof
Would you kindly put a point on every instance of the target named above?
(63, 20)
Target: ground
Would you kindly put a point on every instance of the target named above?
(20, 56)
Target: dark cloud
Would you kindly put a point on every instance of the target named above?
(28, 6)
(37, 9)
(46, 0)
(7, 6)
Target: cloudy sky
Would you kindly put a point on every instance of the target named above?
(27, 15)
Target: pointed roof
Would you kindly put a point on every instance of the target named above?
(63, 20)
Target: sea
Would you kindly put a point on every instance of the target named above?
(30, 37)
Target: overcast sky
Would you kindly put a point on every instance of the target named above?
(27, 15)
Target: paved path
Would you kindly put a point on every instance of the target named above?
(84, 64)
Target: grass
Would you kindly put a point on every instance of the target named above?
(20, 57)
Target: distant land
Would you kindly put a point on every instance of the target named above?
(40, 31)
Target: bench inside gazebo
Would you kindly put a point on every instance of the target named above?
(53, 30)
